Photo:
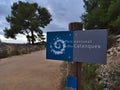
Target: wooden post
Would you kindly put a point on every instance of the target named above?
(74, 68)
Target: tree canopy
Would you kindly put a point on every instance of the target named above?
(27, 19)
(103, 14)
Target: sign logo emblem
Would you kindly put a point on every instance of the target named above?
(58, 47)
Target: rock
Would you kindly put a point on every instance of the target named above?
(109, 74)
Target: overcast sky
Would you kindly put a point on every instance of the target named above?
(63, 12)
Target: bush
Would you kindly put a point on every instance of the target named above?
(4, 54)
(111, 41)
(15, 52)
(89, 77)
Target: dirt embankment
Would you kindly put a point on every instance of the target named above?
(7, 50)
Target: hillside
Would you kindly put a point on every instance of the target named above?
(7, 49)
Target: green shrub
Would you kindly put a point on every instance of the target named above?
(115, 78)
(4, 54)
(111, 41)
(89, 77)
(15, 52)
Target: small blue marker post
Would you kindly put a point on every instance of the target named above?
(71, 83)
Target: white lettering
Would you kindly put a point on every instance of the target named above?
(85, 46)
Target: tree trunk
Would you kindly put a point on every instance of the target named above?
(32, 37)
(28, 39)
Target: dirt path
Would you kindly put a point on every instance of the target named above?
(29, 72)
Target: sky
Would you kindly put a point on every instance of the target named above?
(63, 12)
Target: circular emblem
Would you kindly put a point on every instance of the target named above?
(58, 47)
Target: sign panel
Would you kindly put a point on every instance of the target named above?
(90, 46)
(58, 45)
(78, 46)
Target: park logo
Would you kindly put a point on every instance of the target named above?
(58, 46)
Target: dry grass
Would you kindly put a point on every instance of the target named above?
(7, 50)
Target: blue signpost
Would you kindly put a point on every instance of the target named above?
(77, 46)
(71, 83)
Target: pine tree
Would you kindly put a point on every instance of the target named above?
(27, 19)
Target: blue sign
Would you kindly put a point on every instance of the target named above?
(71, 83)
(58, 47)
(78, 46)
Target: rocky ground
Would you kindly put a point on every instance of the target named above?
(109, 74)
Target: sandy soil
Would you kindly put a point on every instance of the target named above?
(29, 72)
